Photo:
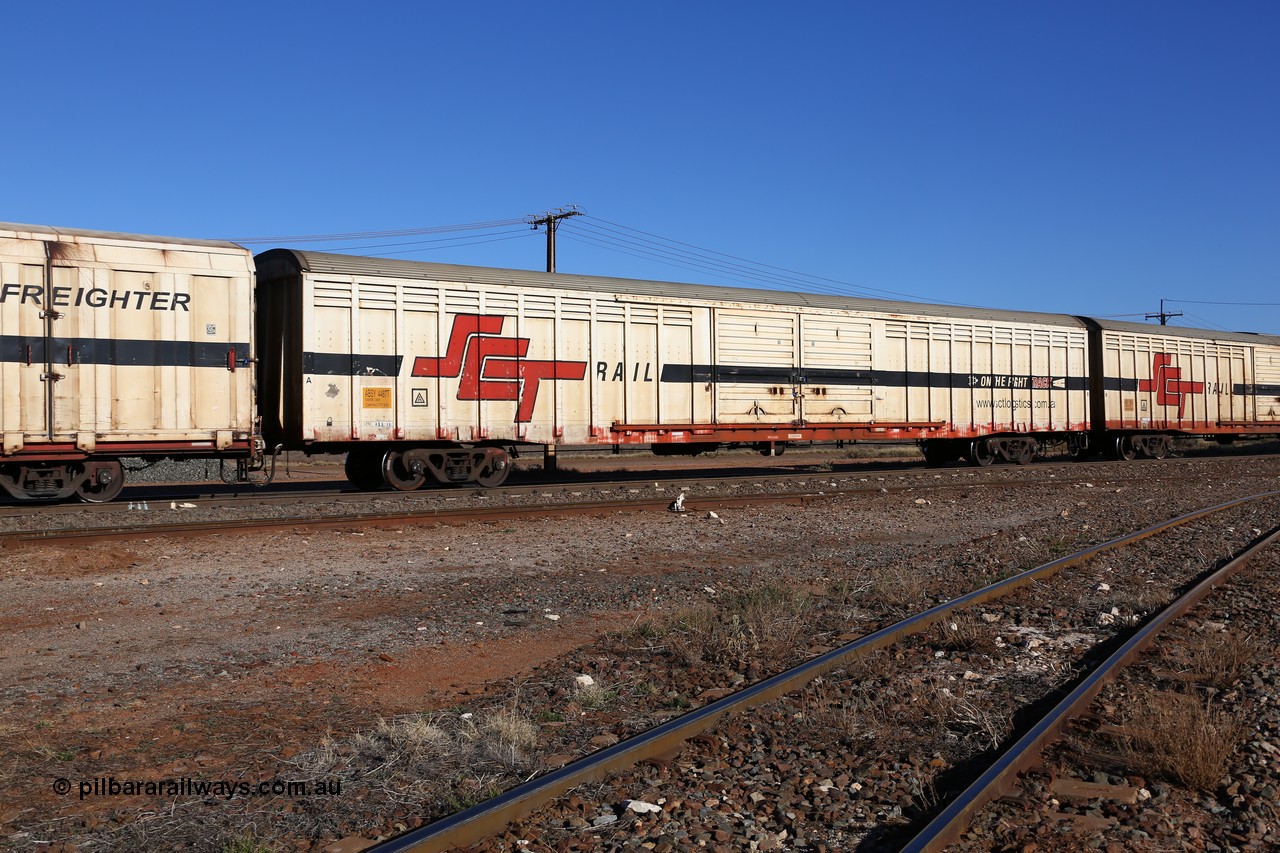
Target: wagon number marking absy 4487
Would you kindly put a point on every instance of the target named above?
(492, 367)
(1166, 381)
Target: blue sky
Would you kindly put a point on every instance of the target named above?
(1076, 157)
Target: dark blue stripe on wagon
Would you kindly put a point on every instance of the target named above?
(689, 373)
(1259, 390)
(350, 364)
(120, 351)
(1239, 389)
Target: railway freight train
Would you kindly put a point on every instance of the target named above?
(119, 346)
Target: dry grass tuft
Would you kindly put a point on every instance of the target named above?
(848, 594)
(508, 737)
(899, 587)
(975, 722)
(767, 621)
(965, 632)
(594, 697)
(419, 753)
(1180, 738)
(879, 712)
(1220, 660)
(1132, 600)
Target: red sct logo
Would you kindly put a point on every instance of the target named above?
(492, 367)
(1166, 382)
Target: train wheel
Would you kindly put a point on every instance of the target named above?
(400, 476)
(1078, 446)
(105, 480)
(495, 470)
(980, 453)
(1023, 452)
(363, 469)
(1159, 447)
(1124, 448)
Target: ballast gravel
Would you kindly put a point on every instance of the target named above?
(259, 657)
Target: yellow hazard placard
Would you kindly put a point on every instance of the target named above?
(377, 398)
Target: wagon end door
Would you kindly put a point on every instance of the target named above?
(23, 328)
(64, 354)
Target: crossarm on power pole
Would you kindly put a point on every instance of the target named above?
(1164, 315)
(551, 221)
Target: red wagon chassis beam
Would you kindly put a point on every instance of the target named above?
(68, 452)
(1251, 426)
(1189, 427)
(621, 433)
(677, 433)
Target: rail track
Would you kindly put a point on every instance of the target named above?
(159, 496)
(486, 819)
(134, 528)
(332, 508)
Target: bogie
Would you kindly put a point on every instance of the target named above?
(407, 469)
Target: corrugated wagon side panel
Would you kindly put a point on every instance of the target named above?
(327, 362)
(976, 378)
(1266, 381)
(640, 354)
(675, 346)
(606, 377)
(570, 404)
(1177, 382)
(418, 397)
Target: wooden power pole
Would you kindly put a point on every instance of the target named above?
(552, 220)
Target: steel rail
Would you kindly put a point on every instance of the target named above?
(485, 819)
(133, 529)
(319, 491)
(438, 515)
(999, 779)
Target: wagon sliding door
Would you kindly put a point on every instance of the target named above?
(836, 379)
(756, 375)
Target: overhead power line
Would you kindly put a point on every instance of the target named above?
(477, 240)
(434, 243)
(633, 241)
(367, 235)
(604, 234)
(1208, 324)
(1253, 304)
